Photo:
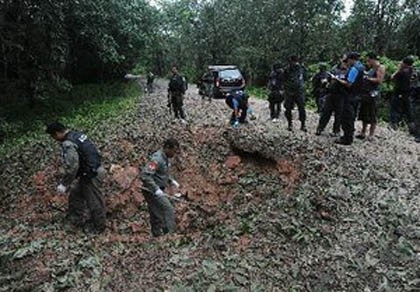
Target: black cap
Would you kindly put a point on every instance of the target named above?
(408, 61)
(294, 58)
(372, 56)
(55, 127)
(353, 56)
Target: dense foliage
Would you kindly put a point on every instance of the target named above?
(254, 34)
(57, 43)
(50, 45)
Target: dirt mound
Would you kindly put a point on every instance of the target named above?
(262, 209)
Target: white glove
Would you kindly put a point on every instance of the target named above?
(175, 183)
(61, 189)
(159, 193)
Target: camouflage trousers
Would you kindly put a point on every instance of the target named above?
(86, 200)
(162, 214)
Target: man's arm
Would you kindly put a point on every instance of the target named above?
(380, 75)
(71, 163)
(351, 78)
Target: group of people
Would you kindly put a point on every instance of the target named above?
(350, 88)
(349, 91)
(84, 174)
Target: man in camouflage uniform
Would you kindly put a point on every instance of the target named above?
(83, 177)
(176, 90)
(155, 178)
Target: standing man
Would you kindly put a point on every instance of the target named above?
(276, 91)
(370, 95)
(334, 100)
(294, 84)
(400, 101)
(319, 86)
(150, 79)
(353, 84)
(82, 165)
(155, 178)
(176, 91)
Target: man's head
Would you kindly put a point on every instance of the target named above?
(344, 63)
(372, 59)
(293, 59)
(408, 61)
(174, 69)
(171, 147)
(352, 58)
(57, 131)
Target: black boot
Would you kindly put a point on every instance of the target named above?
(303, 127)
(290, 126)
(344, 141)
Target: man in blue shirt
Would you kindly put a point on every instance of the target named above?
(238, 102)
(353, 84)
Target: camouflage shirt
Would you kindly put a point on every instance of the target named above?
(155, 174)
(71, 162)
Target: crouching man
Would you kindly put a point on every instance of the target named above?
(83, 177)
(156, 180)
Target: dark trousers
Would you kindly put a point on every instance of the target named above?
(333, 104)
(275, 109)
(400, 108)
(320, 98)
(348, 116)
(86, 197)
(297, 98)
(275, 99)
(177, 100)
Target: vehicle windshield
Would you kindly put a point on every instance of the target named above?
(230, 73)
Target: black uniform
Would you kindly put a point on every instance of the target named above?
(294, 84)
(176, 89)
(350, 100)
(319, 84)
(333, 103)
(400, 101)
(276, 94)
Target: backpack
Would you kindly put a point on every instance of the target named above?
(89, 157)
